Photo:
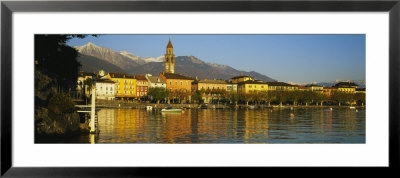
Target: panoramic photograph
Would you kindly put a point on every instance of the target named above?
(200, 88)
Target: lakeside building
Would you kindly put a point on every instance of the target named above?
(231, 87)
(360, 90)
(213, 89)
(348, 87)
(247, 84)
(142, 86)
(105, 89)
(281, 86)
(155, 81)
(178, 84)
(209, 84)
(328, 91)
(315, 88)
(242, 78)
(250, 86)
(125, 85)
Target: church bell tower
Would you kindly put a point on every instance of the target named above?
(169, 58)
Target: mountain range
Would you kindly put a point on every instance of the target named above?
(94, 58)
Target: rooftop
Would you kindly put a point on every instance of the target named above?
(154, 79)
(346, 84)
(104, 81)
(278, 84)
(139, 77)
(252, 82)
(119, 75)
(241, 76)
(169, 44)
(176, 76)
(211, 81)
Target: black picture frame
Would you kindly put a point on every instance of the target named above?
(8, 7)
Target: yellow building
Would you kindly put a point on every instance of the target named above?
(125, 85)
(179, 86)
(281, 86)
(252, 87)
(209, 84)
(348, 87)
(242, 78)
(213, 89)
(315, 88)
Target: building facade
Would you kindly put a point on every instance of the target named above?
(178, 85)
(155, 81)
(125, 85)
(105, 89)
(249, 86)
(242, 78)
(281, 86)
(347, 87)
(142, 86)
(212, 89)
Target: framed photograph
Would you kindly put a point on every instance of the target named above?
(102, 88)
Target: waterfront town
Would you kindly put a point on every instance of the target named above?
(106, 106)
(172, 87)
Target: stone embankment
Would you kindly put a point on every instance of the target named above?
(143, 105)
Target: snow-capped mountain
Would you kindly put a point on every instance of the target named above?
(133, 64)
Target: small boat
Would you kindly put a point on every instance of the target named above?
(171, 110)
(149, 108)
(352, 107)
(203, 106)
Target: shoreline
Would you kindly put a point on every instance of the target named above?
(212, 106)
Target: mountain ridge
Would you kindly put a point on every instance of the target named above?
(133, 64)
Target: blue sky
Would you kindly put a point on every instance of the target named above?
(287, 58)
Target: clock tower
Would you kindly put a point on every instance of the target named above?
(169, 58)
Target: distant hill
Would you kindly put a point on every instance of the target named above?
(93, 64)
(94, 58)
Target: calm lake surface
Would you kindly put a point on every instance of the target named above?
(311, 125)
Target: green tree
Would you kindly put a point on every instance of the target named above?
(198, 96)
(158, 93)
(340, 97)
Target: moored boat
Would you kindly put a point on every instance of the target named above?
(171, 110)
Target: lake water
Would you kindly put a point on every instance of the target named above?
(211, 126)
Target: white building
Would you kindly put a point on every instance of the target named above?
(105, 89)
(155, 81)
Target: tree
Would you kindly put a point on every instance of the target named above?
(158, 93)
(58, 60)
(198, 96)
(360, 98)
(319, 98)
(295, 96)
(340, 97)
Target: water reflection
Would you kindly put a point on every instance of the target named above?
(231, 126)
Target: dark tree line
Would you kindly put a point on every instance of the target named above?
(57, 60)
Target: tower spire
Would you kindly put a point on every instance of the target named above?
(169, 58)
